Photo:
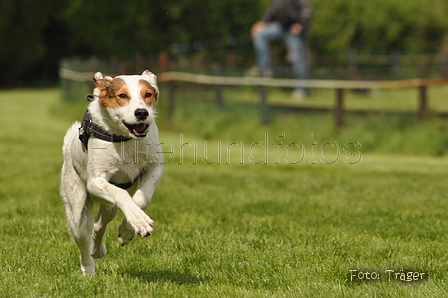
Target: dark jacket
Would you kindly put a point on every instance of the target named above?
(288, 12)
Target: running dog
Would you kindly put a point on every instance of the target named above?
(111, 158)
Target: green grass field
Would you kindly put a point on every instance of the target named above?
(247, 224)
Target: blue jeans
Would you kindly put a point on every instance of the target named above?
(295, 45)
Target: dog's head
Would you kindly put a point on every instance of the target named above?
(130, 101)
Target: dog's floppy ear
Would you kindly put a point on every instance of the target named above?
(100, 82)
(151, 78)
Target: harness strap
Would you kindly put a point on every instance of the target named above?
(125, 185)
(89, 128)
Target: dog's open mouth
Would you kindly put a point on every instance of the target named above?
(139, 130)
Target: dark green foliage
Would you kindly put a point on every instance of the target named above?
(36, 35)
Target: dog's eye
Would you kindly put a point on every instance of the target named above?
(148, 94)
(123, 96)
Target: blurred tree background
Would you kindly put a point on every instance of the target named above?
(36, 35)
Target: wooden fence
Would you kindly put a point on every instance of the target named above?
(340, 86)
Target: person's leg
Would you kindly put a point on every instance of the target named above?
(271, 31)
(296, 47)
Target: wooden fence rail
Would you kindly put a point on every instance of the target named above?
(339, 85)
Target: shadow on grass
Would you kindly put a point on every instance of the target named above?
(181, 278)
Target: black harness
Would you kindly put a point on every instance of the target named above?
(90, 129)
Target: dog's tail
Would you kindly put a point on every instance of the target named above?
(72, 133)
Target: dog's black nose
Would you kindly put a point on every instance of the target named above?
(141, 114)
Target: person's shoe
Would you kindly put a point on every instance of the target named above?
(255, 71)
(298, 95)
(266, 73)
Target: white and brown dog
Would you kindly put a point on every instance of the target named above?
(112, 159)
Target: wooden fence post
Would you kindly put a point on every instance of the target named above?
(264, 105)
(339, 110)
(423, 96)
(171, 100)
(218, 98)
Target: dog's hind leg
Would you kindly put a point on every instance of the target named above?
(84, 238)
(103, 217)
(79, 212)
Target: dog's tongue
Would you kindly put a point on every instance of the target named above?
(140, 128)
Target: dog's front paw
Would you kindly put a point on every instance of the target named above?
(125, 233)
(146, 228)
(140, 224)
(143, 225)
